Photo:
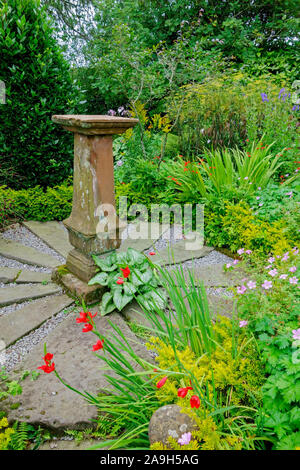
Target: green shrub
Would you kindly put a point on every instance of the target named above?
(38, 85)
(35, 203)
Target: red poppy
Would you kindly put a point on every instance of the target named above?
(195, 401)
(98, 345)
(162, 382)
(182, 392)
(125, 271)
(120, 281)
(87, 327)
(152, 253)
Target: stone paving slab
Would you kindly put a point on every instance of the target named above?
(212, 275)
(53, 234)
(26, 254)
(60, 444)
(21, 293)
(178, 254)
(8, 275)
(17, 324)
(46, 401)
(151, 233)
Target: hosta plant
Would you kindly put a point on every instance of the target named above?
(127, 275)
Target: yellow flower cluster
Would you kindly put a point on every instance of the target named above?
(5, 434)
(232, 372)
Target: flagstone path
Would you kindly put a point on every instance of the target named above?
(32, 312)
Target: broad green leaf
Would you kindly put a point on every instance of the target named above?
(121, 299)
(100, 278)
(107, 304)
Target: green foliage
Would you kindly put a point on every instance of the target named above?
(38, 85)
(138, 282)
(271, 317)
(35, 203)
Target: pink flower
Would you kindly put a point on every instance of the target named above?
(236, 261)
(267, 285)
(268, 267)
(271, 260)
(293, 280)
(240, 251)
(228, 265)
(293, 269)
(296, 334)
(295, 250)
(285, 256)
(273, 272)
(248, 252)
(241, 289)
(185, 439)
(243, 323)
(283, 276)
(251, 284)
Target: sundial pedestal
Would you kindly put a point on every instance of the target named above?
(93, 199)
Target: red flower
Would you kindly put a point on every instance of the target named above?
(85, 317)
(195, 401)
(98, 345)
(120, 280)
(152, 253)
(87, 327)
(162, 382)
(126, 272)
(48, 358)
(182, 392)
(48, 368)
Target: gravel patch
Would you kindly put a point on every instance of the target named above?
(11, 263)
(13, 307)
(22, 235)
(16, 353)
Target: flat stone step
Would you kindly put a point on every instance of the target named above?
(46, 401)
(8, 275)
(178, 253)
(22, 321)
(26, 254)
(21, 293)
(212, 275)
(150, 233)
(53, 234)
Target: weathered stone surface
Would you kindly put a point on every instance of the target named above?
(26, 254)
(70, 445)
(52, 233)
(76, 288)
(178, 254)
(8, 275)
(49, 403)
(142, 235)
(31, 276)
(212, 275)
(169, 421)
(20, 322)
(20, 293)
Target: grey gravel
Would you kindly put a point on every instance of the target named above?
(22, 235)
(11, 263)
(16, 352)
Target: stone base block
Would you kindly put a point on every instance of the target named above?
(81, 266)
(75, 287)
